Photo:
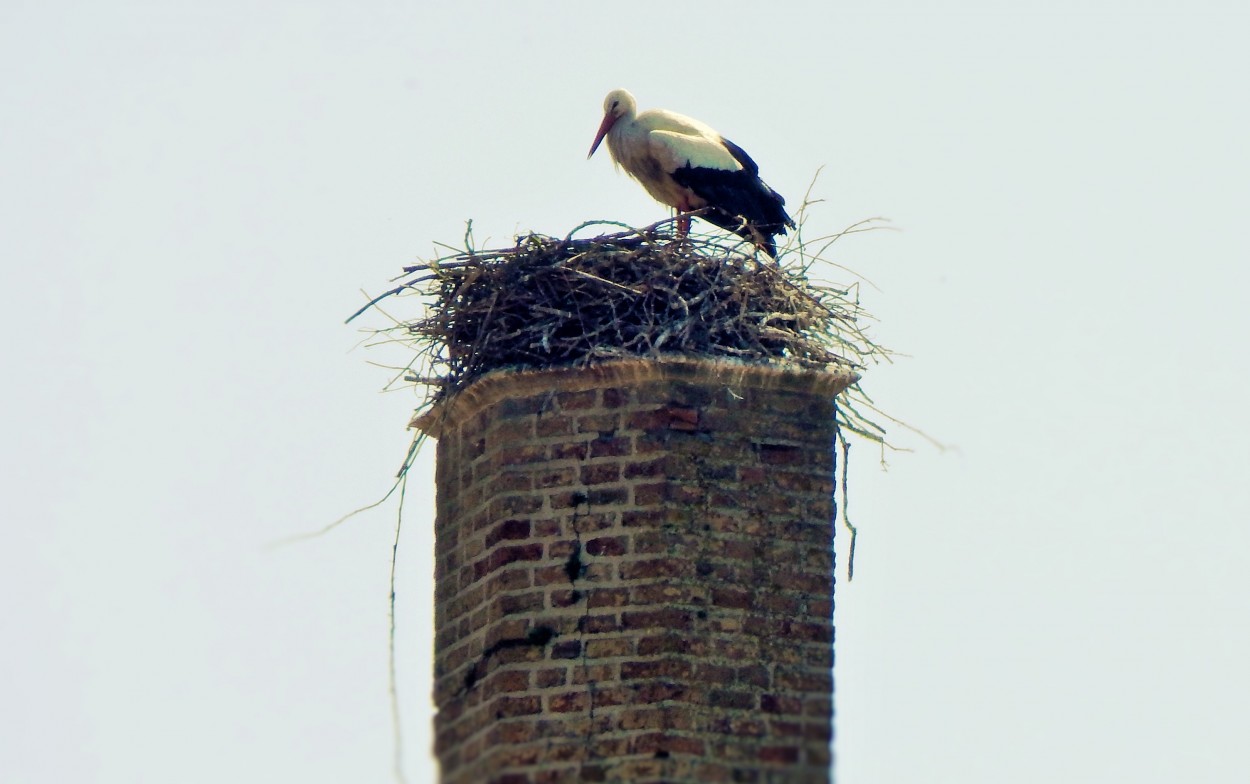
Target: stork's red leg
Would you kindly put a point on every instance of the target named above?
(683, 221)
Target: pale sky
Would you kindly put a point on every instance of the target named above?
(192, 196)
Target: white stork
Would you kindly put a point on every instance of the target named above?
(687, 165)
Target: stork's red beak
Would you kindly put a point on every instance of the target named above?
(608, 121)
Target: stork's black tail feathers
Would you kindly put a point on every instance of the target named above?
(739, 201)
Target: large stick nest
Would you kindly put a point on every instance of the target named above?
(550, 302)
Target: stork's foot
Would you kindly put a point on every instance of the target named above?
(683, 226)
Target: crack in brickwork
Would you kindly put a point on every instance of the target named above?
(668, 539)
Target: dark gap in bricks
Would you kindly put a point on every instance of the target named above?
(537, 637)
(574, 567)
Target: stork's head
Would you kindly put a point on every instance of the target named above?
(619, 104)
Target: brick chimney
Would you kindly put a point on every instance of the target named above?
(634, 574)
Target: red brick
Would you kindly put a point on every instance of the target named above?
(611, 446)
(653, 567)
(596, 673)
(607, 546)
(736, 598)
(569, 701)
(513, 505)
(506, 681)
(602, 423)
(521, 603)
(555, 477)
(651, 493)
(520, 455)
(602, 649)
(616, 398)
(568, 649)
(775, 703)
(607, 597)
(569, 450)
(566, 598)
(570, 401)
(662, 668)
(605, 496)
(548, 427)
(597, 624)
(601, 473)
(654, 742)
(781, 755)
(664, 643)
(516, 706)
(783, 454)
(660, 690)
(508, 529)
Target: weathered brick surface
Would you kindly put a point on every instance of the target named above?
(634, 578)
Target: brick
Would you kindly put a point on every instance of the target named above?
(664, 643)
(782, 454)
(607, 597)
(668, 618)
(506, 681)
(569, 450)
(555, 477)
(736, 598)
(552, 426)
(653, 567)
(569, 701)
(602, 649)
(551, 575)
(508, 529)
(605, 496)
(666, 418)
(603, 424)
(576, 401)
(566, 598)
(521, 603)
(663, 668)
(616, 397)
(611, 446)
(601, 672)
(781, 704)
(661, 593)
(516, 706)
(552, 676)
(520, 455)
(756, 675)
(601, 473)
(512, 481)
(641, 518)
(607, 546)
(731, 698)
(781, 755)
(567, 499)
(569, 649)
(513, 505)
(668, 743)
(650, 494)
(657, 690)
(744, 726)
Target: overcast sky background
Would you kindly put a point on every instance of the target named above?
(192, 196)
